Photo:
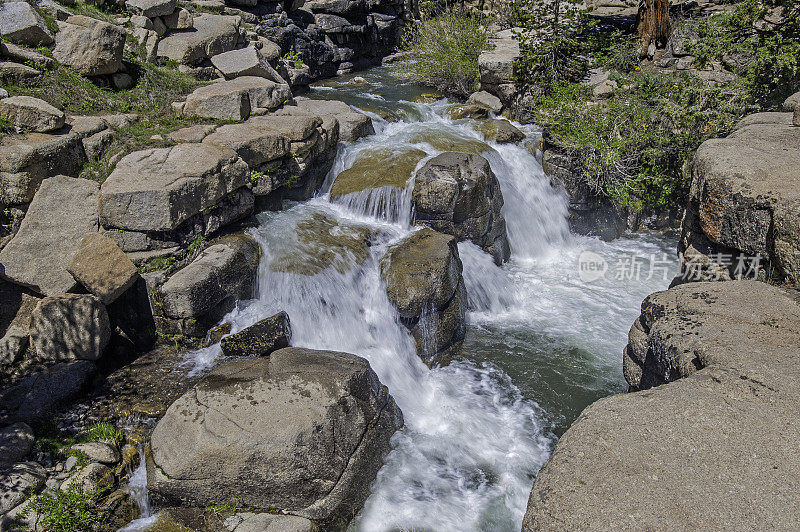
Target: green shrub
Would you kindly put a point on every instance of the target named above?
(443, 51)
(65, 511)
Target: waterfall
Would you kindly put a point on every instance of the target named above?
(137, 488)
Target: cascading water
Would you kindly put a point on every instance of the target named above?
(541, 343)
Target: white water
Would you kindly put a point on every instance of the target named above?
(137, 487)
(473, 439)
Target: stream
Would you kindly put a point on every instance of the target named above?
(541, 342)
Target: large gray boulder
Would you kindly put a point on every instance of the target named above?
(302, 431)
(101, 267)
(70, 327)
(31, 114)
(20, 23)
(245, 62)
(352, 124)
(90, 46)
(151, 8)
(16, 441)
(714, 449)
(745, 201)
(261, 338)
(62, 212)
(236, 99)
(458, 194)
(211, 35)
(158, 189)
(18, 482)
(198, 295)
(424, 282)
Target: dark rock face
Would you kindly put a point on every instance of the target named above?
(458, 194)
(714, 447)
(261, 338)
(423, 280)
(303, 431)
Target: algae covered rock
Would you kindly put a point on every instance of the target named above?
(501, 131)
(375, 168)
(449, 141)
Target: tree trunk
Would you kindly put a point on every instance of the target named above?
(652, 23)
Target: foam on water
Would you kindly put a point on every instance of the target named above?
(473, 440)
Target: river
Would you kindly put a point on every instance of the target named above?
(541, 343)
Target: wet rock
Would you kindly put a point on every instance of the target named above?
(458, 194)
(90, 46)
(352, 124)
(424, 282)
(236, 99)
(331, 405)
(102, 268)
(447, 141)
(151, 8)
(211, 35)
(487, 100)
(119, 509)
(255, 522)
(62, 212)
(18, 482)
(41, 395)
(730, 351)
(31, 114)
(20, 23)
(92, 477)
(158, 189)
(261, 338)
(375, 168)
(744, 200)
(98, 451)
(245, 62)
(501, 131)
(16, 441)
(70, 327)
(323, 242)
(209, 287)
(457, 112)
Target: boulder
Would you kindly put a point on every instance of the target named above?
(24, 55)
(70, 327)
(458, 194)
(209, 286)
(90, 46)
(26, 160)
(31, 114)
(302, 431)
(16, 307)
(792, 102)
(255, 522)
(376, 168)
(62, 212)
(151, 8)
(713, 449)
(90, 478)
(158, 189)
(352, 124)
(180, 19)
(449, 141)
(18, 482)
(261, 338)
(744, 202)
(335, 7)
(211, 35)
(424, 282)
(37, 397)
(487, 100)
(458, 112)
(16, 72)
(501, 131)
(16, 441)
(245, 62)
(102, 268)
(98, 451)
(236, 99)
(191, 133)
(20, 23)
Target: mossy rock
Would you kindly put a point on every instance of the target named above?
(446, 141)
(428, 97)
(457, 112)
(501, 131)
(377, 168)
(323, 242)
(165, 523)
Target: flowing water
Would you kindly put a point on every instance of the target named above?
(541, 343)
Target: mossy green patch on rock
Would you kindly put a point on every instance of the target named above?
(446, 141)
(323, 242)
(457, 112)
(378, 168)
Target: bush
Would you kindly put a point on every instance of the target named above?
(443, 51)
(634, 149)
(65, 511)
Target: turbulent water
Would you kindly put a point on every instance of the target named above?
(541, 343)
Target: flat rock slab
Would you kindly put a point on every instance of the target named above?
(352, 124)
(376, 168)
(157, 189)
(496, 66)
(245, 62)
(101, 267)
(211, 35)
(31, 114)
(61, 213)
(251, 426)
(236, 99)
(151, 8)
(713, 450)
